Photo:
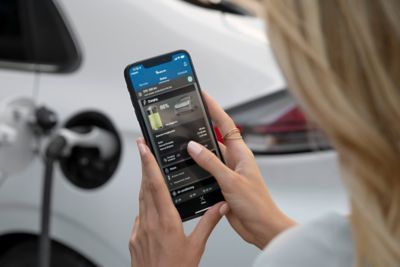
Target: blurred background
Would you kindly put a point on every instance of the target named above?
(61, 67)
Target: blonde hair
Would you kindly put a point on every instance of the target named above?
(342, 60)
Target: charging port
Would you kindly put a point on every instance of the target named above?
(84, 166)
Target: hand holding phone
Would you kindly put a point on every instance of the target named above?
(250, 209)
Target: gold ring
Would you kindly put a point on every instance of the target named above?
(228, 135)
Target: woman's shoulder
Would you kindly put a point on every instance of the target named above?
(324, 242)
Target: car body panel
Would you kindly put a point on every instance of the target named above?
(108, 47)
(16, 83)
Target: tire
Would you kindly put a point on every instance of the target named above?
(25, 254)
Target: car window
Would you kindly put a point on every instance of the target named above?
(34, 32)
(11, 44)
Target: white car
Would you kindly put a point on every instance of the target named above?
(69, 55)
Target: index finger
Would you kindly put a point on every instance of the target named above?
(223, 121)
(218, 115)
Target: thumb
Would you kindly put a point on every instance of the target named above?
(211, 163)
(206, 224)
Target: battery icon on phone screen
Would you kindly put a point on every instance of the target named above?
(154, 118)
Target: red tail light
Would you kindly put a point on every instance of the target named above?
(291, 121)
(275, 124)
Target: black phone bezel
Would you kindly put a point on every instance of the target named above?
(215, 196)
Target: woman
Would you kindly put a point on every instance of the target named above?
(342, 61)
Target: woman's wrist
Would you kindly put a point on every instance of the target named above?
(271, 228)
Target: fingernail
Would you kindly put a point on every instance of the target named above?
(194, 148)
(223, 210)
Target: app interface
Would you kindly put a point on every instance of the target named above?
(173, 112)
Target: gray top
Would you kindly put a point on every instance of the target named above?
(324, 242)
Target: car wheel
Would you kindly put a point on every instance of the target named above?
(25, 254)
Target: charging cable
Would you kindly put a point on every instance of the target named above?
(52, 153)
(61, 146)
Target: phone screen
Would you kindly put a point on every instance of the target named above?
(170, 106)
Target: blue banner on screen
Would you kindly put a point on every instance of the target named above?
(143, 77)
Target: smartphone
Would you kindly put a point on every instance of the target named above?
(169, 107)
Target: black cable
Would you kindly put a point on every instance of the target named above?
(53, 152)
(44, 241)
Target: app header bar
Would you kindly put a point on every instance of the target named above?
(143, 77)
